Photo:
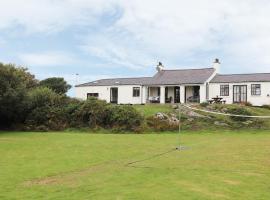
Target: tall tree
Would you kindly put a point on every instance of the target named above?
(14, 84)
(57, 84)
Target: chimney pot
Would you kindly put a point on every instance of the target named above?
(216, 65)
(216, 61)
(159, 67)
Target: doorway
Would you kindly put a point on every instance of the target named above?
(176, 94)
(114, 95)
(239, 93)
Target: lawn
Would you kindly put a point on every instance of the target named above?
(228, 165)
(151, 109)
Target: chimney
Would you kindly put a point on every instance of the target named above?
(159, 67)
(216, 65)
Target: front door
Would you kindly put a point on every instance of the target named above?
(114, 95)
(176, 94)
(239, 93)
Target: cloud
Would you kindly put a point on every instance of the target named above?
(147, 31)
(115, 51)
(49, 16)
(135, 34)
(47, 59)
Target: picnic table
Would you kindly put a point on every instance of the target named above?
(217, 100)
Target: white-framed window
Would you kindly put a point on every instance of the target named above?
(224, 90)
(89, 95)
(255, 89)
(136, 91)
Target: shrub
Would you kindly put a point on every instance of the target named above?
(239, 111)
(46, 110)
(247, 104)
(91, 113)
(124, 117)
(71, 110)
(46, 118)
(266, 106)
(204, 104)
(43, 96)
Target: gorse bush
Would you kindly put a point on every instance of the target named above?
(92, 113)
(124, 118)
(45, 110)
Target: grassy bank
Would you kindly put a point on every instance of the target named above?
(208, 121)
(216, 165)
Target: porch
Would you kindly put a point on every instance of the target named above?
(172, 94)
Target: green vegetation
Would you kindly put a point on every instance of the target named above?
(216, 165)
(29, 104)
(205, 121)
(56, 84)
(151, 109)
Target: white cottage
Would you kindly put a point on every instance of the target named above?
(181, 86)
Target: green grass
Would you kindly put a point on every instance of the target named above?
(227, 165)
(151, 109)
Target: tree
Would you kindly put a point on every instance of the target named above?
(14, 83)
(46, 110)
(57, 84)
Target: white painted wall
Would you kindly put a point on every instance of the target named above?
(214, 90)
(103, 91)
(125, 93)
(182, 93)
(162, 94)
(203, 93)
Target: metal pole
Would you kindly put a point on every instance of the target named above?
(76, 75)
(179, 147)
(179, 129)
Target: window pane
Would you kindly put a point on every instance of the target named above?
(255, 89)
(224, 90)
(136, 92)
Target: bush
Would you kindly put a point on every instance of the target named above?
(266, 106)
(92, 113)
(43, 96)
(239, 111)
(46, 110)
(46, 118)
(204, 104)
(247, 104)
(124, 118)
(71, 110)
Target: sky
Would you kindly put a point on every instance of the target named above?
(126, 38)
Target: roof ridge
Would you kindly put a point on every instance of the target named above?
(122, 78)
(118, 78)
(243, 74)
(187, 69)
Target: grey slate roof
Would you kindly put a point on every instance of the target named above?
(238, 78)
(184, 76)
(164, 77)
(118, 81)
